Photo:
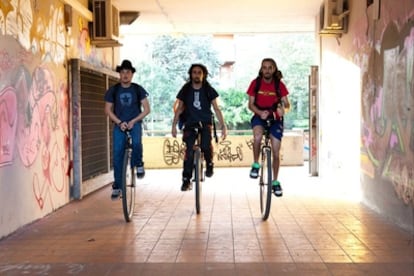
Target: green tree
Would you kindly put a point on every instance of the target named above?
(293, 53)
(163, 66)
(165, 70)
(234, 107)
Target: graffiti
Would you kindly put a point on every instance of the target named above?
(40, 269)
(173, 152)
(43, 33)
(388, 120)
(225, 152)
(8, 123)
(34, 126)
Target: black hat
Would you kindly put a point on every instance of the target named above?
(126, 64)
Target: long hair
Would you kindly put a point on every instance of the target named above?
(277, 75)
(203, 68)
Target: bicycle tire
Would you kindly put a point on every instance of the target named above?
(128, 186)
(266, 184)
(198, 165)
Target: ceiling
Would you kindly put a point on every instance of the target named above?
(220, 16)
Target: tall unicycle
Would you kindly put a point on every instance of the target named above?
(265, 180)
(198, 177)
(128, 181)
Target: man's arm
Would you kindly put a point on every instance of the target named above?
(177, 112)
(145, 111)
(110, 113)
(261, 113)
(220, 117)
(286, 103)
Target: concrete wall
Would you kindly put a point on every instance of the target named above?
(235, 151)
(35, 135)
(367, 80)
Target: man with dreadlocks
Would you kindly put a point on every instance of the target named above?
(268, 98)
(195, 99)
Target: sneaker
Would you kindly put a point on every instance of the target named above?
(277, 188)
(254, 172)
(209, 170)
(140, 171)
(186, 185)
(116, 193)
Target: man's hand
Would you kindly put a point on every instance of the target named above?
(123, 126)
(224, 133)
(264, 114)
(280, 110)
(174, 131)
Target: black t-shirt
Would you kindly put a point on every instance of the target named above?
(197, 103)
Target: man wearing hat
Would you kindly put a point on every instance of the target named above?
(126, 104)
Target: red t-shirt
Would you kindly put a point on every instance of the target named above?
(266, 96)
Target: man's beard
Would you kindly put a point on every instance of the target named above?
(268, 77)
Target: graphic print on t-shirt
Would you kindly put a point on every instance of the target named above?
(126, 99)
(196, 102)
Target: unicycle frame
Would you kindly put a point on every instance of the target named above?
(128, 180)
(266, 173)
(198, 169)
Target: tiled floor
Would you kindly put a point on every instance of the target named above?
(313, 230)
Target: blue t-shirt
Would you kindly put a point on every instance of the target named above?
(126, 100)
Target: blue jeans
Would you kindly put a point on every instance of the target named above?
(119, 140)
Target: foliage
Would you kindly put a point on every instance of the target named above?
(163, 69)
(233, 103)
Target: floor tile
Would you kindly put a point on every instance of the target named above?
(309, 232)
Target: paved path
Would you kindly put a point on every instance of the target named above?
(313, 229)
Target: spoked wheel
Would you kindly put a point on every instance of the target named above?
(198, 171)
(128, 186)
(265, 184)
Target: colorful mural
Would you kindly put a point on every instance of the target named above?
(34, 124)
(34, 115)
(387, 105)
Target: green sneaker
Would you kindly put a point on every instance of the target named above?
(254, 172)
(277, 188)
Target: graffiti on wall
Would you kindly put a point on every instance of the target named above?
(43, 34)
(224, 151)
(33, 116)
(34, 136)
(387, 109)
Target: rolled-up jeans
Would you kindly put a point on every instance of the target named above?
(119, 141)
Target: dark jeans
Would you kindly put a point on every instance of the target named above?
(119, 148)
(189, 137)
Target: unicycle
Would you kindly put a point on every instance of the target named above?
(128, 180)
(198, 170)
(265, 180)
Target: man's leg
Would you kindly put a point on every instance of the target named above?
(118, 159)
(189, 139)
(137, 150)
(276, 140)
(276, 156)
(207, 149)
(257, 140)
